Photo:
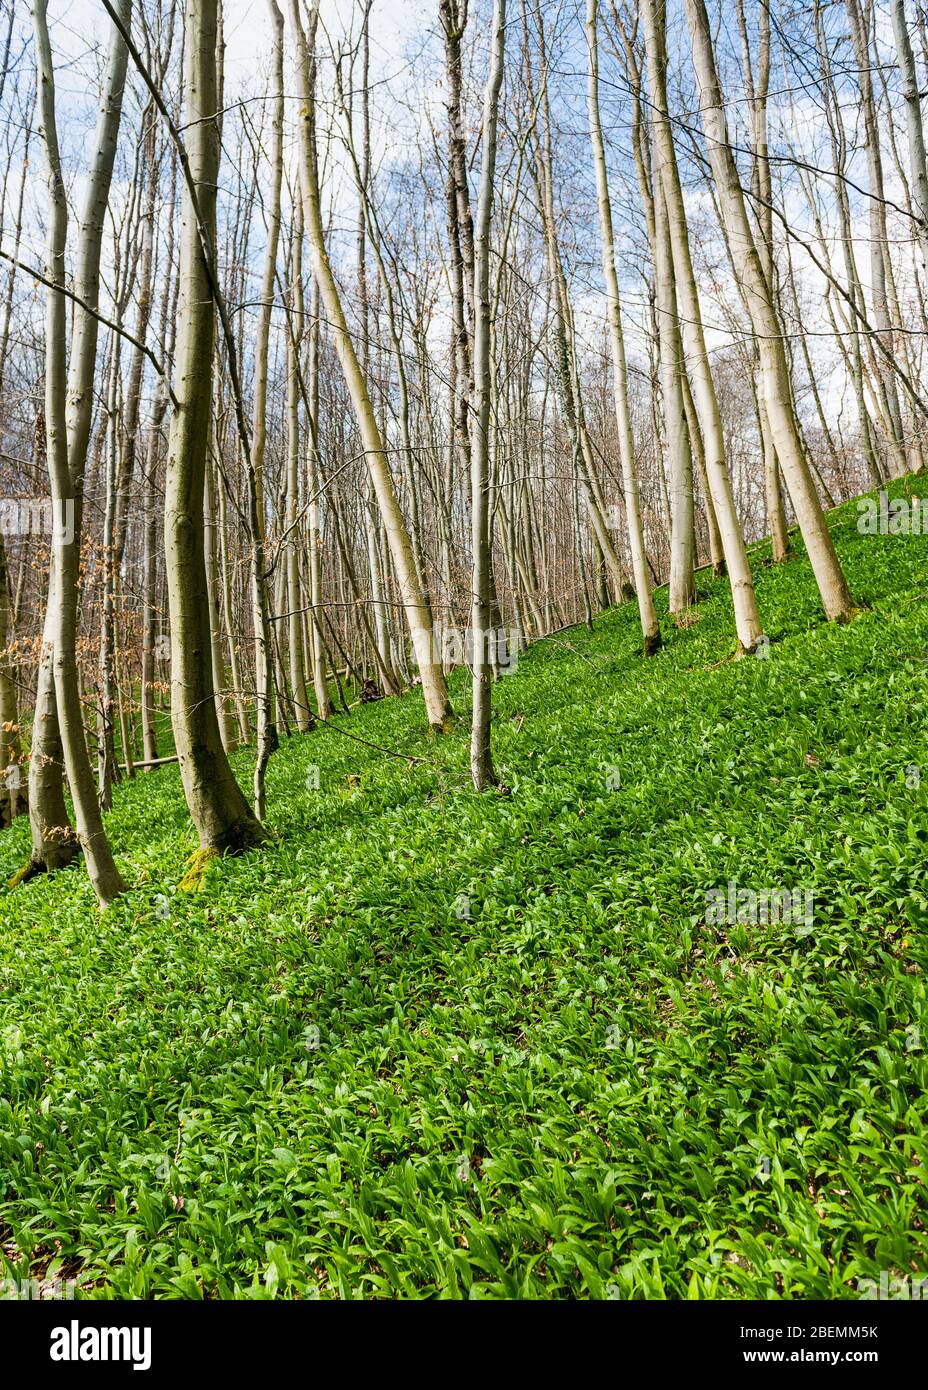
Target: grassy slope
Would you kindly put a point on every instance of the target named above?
(614, 1070)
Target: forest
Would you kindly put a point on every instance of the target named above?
(463, 634)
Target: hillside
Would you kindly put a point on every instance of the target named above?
(435, 1043)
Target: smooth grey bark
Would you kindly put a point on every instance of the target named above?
(303, 715)
(214, 594)
(650, 630)
(915, 130)
(53, 841)
(13, 783)
(150, 506)
(880, 266)
(265, 703)
(220, 813)
(682, 583)
(747, 618)
(63, 461)
(757, 90)
(481, 757)
(12, 787)
(835, 595)
(324, 706)
(417, 612)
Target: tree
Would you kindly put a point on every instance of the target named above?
(913, 115)
(220, 813)
(650, 630)
(836, 597)
(747, 619)
(418, 614)
(66, 432)
(481, 758)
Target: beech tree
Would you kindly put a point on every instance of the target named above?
(418, 615)
(482, 631)
(67, 423)
(649, 626)
(836, 597)
(222, 817)
(437, 352)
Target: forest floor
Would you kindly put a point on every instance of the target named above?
(429, 1042)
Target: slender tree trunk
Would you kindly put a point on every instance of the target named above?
(211, 562)
(780, 545)
(107, 771)
(747, 618)
(265, 717)
(149, 614)
(758, 93)
(376, 565)
(418, 615)
(225, 584)
(836, 597)
(13, 786)
(716, 550)
(302, 712)
(53, 842)
(682, 585)
(481, 758)
(880, 267)
(650, 630)
(217, 806)
(12, 789)
(324, 706)
(150, 608)
(914, 128)
(105, 877)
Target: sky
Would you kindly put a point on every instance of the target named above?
(404, 89)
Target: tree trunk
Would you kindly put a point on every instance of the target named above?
(836, 597)
(65, 489)
(418, 615)
(747, 619)
(650, 630)
(880, 267)
(295, 649)
(481, 758)
(219, 810)
(53, 841)
(12, 790)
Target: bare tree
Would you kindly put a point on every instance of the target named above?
(222, 816)
(418, 614)
(481, 759)
(836, 597)
(66, 434)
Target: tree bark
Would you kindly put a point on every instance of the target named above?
(481, 757)
(747, 618)
(65, 486)
(418, 615)
(915, 130)
(221, 815)
(835, 595)
(650, 630)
